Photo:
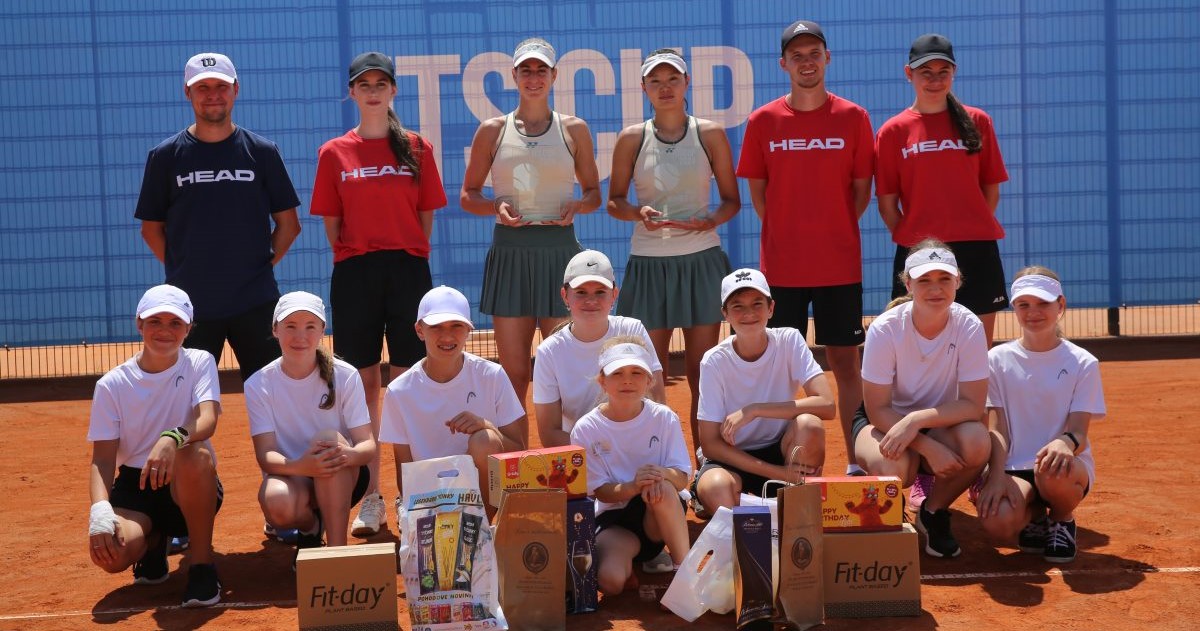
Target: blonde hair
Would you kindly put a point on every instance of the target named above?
(623, 339)
(897, 301)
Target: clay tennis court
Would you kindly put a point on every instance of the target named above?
(1138, 565)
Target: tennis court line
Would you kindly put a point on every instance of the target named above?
(925, 578)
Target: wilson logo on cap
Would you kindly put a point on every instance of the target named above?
(208, 62)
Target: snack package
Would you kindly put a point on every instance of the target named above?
(447, 555)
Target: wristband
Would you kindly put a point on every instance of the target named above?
(179, 434)
(1074, 440)
(102, 521)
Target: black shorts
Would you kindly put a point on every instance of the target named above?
(375, 295)
(157, 504)
(632, 517)
(1029, 476)
(984, 289)
(752, 483)
(249, 335)
(837, 312)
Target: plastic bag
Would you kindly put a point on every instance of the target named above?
(447, 555)
(696, 589)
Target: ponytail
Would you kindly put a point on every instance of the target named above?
(325, 368)
(965, 126)
(401, 146)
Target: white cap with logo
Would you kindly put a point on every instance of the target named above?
(292, 302)
(589, 266)
(209, 66)
(621, 355)
(444, 304)
(165, 299)
(1036, 285)
(926, 260)
(741, 279)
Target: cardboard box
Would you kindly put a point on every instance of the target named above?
(345, 587)
(753, 590)
(547, 468)
(872, 574)
(860, 503)
(581, 552)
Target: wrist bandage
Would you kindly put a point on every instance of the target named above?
(103, 521)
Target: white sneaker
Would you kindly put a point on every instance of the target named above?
(372, 515)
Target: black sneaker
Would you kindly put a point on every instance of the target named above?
(1032, 539)
(307, 540)
(1060, 542)
(152, 568)
(939, 541)
(203, 587)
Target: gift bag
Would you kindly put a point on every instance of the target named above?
(531, 553)
(704, 580)
(799, 587)
(447, 556)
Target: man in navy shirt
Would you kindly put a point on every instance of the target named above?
(219, 210)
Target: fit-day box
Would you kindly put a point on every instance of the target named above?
(347, 587)
(872, 574)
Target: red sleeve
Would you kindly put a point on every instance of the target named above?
(887, 167)
(864, 156)
(991, 163)
(750, 162)
(326, 200)
(431, 195)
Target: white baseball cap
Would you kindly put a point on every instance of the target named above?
(209, 66)
(292, 302)
(165, 299)
(589, 266)
(535, 49)
(742, 278)
(926, 260)
(670, 58)
(1038, 286)
(621, 355)
(444, 304)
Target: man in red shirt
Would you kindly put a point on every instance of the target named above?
(808, 157)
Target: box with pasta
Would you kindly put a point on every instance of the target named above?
(538, 469)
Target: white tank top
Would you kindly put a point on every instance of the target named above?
(674, 179)
(536, 174)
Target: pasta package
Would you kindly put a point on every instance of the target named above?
(447, 555)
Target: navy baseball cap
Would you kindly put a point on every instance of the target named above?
(372, 61)
(798, 28)
(929, 47)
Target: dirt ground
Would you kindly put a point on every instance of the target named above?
(1138, 567)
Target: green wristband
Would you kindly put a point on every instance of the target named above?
(177, 435)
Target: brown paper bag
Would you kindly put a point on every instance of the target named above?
(800, 597)
(531, 552)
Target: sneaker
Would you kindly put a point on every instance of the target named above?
(372, 514)
(308, 540)
(920, 489)
(153, 568)
(1032, 539)
(660, 564)
(855, 471)
(698, 508)
(203, 587)
(1060, 542)
(286, 535)
(179, 544)
(939, 541)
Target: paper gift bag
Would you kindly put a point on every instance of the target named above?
(531, 548)
(800, 597)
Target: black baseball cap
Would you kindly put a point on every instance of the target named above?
(372, 61)
(928, 47)
(798, 28)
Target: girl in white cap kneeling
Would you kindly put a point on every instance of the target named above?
(151, 420)
(451, 402)
(924, 388)
(1043, 393)
(310, 427)
(639, 465)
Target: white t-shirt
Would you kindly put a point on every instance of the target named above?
(290, 407)
(616, 449)
(135, 407)
(924, 373)
(416, 408)
(1037, 391)
(566, 368)
(728, 383)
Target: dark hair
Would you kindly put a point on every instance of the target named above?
(401, 145)
(965, 126)
(325, 367)
(661, 51)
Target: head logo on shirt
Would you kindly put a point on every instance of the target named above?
(951, 348)
(470, 395)
(805, 144)
(208, 177)
(928, 146)
(178, 380)
(1062, 373)
(653, 439)
(376, 171)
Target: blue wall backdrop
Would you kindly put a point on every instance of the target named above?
(1097, 104)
